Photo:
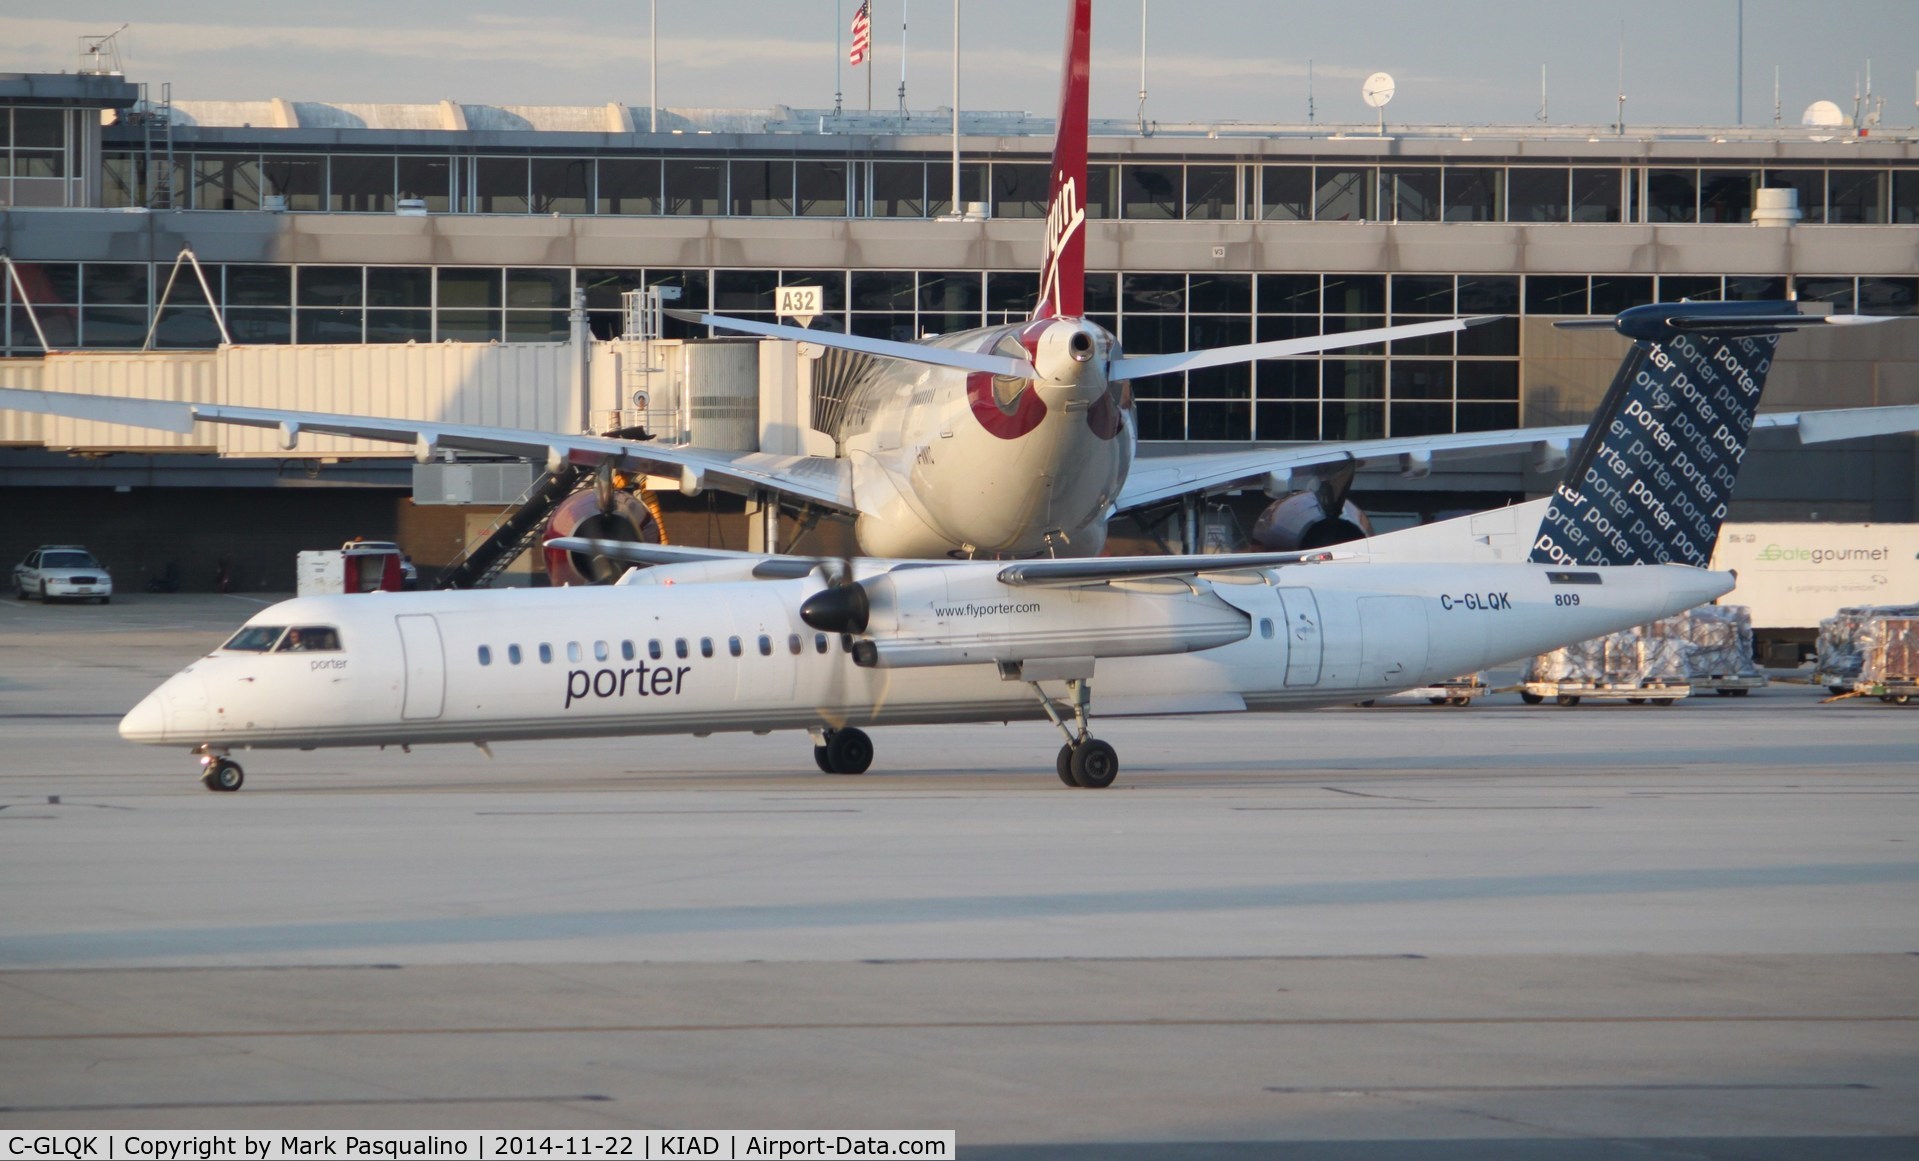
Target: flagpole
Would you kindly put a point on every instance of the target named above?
(653, 68)
(836, 58)
(869, 60)
(903, 6)
(956, 108)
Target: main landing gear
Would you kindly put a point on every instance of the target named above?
(222, 773)
(843, 751)
(1084, 762)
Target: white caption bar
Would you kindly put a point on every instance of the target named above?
(730, 1144)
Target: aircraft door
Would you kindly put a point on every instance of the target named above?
(764, 678)
(1392, 641)
(1303, 640)
(425, 665)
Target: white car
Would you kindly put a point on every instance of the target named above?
(62, 572)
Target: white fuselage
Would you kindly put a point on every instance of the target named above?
(409, 667)
(948, 462)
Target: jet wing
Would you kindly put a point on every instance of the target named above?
(1157, 479)
(815, 478)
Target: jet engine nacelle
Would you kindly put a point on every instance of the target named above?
(600, 514)
(1300, 521)
(1064, 348)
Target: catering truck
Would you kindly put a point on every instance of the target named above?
(1793, 576)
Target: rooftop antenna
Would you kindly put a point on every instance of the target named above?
(653, 67)
(1142, 68)
(903, 113)
(1543, 114)
(101, 54)
(1620, 126)
(1309, 90)
(1775, 97)
(1739, 67)
(837, 94)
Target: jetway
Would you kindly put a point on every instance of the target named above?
(741, 395)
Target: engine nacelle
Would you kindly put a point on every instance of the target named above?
(619, 515)
(1300, 521)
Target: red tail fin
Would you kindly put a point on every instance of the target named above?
(1062, 274)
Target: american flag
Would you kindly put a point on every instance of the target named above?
(862, 35)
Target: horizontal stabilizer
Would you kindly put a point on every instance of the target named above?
(1142, 366)
(1658, 321)
(884, 348)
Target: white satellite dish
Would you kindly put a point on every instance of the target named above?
(1377, 90)
(1822, 115)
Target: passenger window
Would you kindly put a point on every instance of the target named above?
(793, 644)
(572, 650)
(819, 642)
(486, 655)
(600, 652)
(653, 649)
(766, 645)
(1266, 628)
(846, 642)
(513, 654)
(546, 654)
(254, 638)
(706, 647)
(626, 650)
(679, 648)
(733, 646)
(309, 639)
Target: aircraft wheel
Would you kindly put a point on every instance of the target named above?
(849, 751)
(1901, 699)
(1461, 702)
(223, 775)
(1568, 699)
(1095, 764)
(1064, 764)
(1531, 698)
(1664, 700)
(822, 759)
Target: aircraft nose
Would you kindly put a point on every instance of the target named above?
(146, 722)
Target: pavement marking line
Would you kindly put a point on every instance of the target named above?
(1812, 1086)
(959, 1025)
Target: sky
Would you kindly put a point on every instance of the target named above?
(1459, 62)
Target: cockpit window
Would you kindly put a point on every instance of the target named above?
(310, 639)
(68, 560)
(254, 638)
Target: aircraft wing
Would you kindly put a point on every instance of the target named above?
(822, 480)
(1156, 479)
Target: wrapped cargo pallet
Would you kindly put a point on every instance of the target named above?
(1841, 648)
(1719, 640)
(1632, 665)
(1889, 668)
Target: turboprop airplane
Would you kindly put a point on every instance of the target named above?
(1007, 441)
(712, 641)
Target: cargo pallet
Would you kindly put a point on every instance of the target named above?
(1729, 684)
(1573, 692)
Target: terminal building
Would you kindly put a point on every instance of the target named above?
(425, 259)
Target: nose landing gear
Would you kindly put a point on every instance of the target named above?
(222, 773)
